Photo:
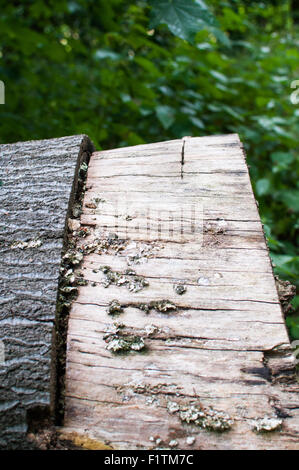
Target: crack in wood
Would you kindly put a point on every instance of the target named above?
(182, 157)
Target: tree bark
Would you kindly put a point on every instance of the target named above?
(39, 183)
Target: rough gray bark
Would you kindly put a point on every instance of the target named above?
(38, 186)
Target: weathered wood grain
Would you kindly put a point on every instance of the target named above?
(219, 345)
(39, 181)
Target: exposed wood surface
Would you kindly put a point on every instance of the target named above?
(186, 215)
(39, 181)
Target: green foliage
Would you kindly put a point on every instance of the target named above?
(127, 73)
(185, 18)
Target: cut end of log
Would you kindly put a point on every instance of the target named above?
(176, 338)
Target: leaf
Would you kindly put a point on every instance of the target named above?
(283, 158)
(279, 260)
(286, 266)
(148, 66)
(166, 115)
(106, 54)
(220, 35)
(184, 18)
(263, 186)
(219, 76)
(291, 199)
(293, 325)
(197, 122)
(295, 303)
(282, 161)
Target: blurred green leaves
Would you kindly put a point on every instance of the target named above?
(110, 70)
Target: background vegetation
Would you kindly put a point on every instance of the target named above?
(126, 73)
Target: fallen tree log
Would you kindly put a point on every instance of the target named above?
(176, 338)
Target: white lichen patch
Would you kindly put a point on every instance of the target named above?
(105, 243)
(125, 398)
(83, 232)
(266, 424)
(83, 168)
(206, 418)
(73, 257)
(220, 226)
(94, 202)
(118, 341)
(190, 440)
(150, 330)
(136, 344)
(68, 289)
(73, 224)
(179, 289)
(119, 344)
(69, 276)
(173, 407)
(129, 279)
(152, 400)
(218, 275)
(114, 308)
(178, 341)
(203, 281)
(113, 329)
(138, 252)
(173, 443)
(190, 414)
(163, 305)
(77, 211)
(91, 205)
(36, 243)
(136, 284)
